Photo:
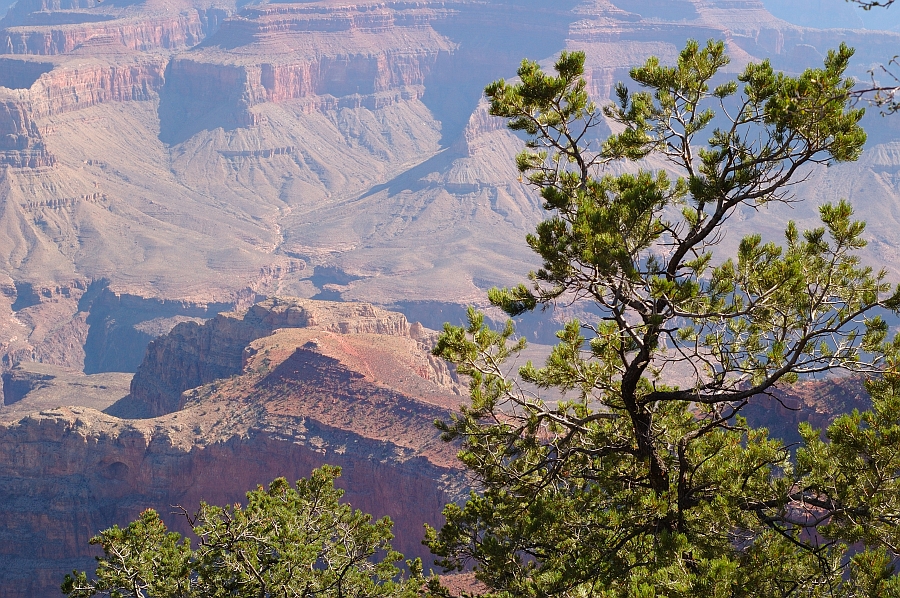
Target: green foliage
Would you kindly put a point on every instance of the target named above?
(285, 542)
(144, 559)
(631, 486)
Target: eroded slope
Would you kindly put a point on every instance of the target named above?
(195, 152)
(344, 384)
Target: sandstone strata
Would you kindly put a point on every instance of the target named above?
(194, 150)
(193, 354)
(344, 384)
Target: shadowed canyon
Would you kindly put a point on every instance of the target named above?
(169, 166)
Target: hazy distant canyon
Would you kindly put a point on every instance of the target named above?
(171, 158)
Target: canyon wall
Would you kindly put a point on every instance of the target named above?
(20, 142)
(135, 136)
(68, 473)
(146, 34)
(326, 101)
(87, 327)
(817, 402)
(67, 89)
(16, 385)
(61, 90)
(344, 384)
(298, 383)
(194, 354)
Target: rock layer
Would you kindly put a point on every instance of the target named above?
(185, 149)
(334, 383)
(193, 354)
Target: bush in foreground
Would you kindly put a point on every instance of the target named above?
(285, 542)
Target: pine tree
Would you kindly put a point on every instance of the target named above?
(285, 542)
(632, 486)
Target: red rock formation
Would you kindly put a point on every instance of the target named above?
(192, 354)
(345, 384)
(338, 76)
(386, 59)
(353, 392)
(64, 89)
(84, 85)
(815, 402)
(73, 472)
(325, 18)
(20, 143)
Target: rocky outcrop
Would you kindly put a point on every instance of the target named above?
(111, 56)
(288, 52)
(68, 473)
(21, 145)
(48, 90)
(153, 32)
(18, 383)
(76, 88)
(394, 47)
(193, 354)
(86, 326)
(815, 402)
(353, 387)
(41, 91)
(122, 324)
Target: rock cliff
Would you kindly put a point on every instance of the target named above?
(150, 32)
(194, 354)
(249, 146)
(344, 384)
(17, 384)
(815, 402)
(94, 82)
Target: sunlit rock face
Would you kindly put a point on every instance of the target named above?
(276, 390)
(197, 152)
